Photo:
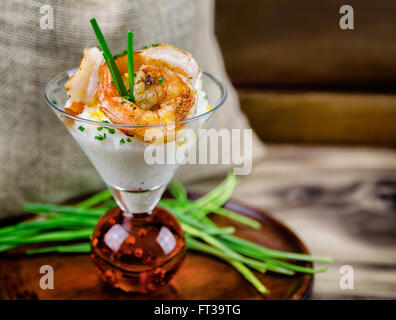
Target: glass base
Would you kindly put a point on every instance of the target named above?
(137, 201)
(138, 252)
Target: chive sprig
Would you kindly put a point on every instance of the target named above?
(63, 223)
(131, 72)
(115, 73)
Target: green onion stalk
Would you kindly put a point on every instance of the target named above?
(62, 223)
(54, 224)
(131, 72)
(110, 61)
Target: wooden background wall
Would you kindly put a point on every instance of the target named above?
(303, 79)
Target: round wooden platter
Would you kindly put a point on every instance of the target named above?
(200, 276)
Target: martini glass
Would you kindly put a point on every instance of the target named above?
(137, 246)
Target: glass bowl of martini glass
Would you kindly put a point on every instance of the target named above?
(137, 246)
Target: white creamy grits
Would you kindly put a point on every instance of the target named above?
(119, 158)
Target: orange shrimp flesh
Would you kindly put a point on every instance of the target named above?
(161, 96)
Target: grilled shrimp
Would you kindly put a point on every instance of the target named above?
(163, 89)
(169, 57)
(82, 86)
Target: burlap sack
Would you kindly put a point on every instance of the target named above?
(39, 160)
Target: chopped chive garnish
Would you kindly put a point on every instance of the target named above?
(144, 47)
(161, 80)
(105, 121)
(81, 128)
(129, 139)
(120, 54)
(155, 44)
(54, 101)
(100, 48)
(101, 137)
(122, 102)
(110, 130)
(130, 98)
(131, 73)
(109, 59)
(122, 141)
(131, 115)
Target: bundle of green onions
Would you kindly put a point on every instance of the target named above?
(60, 223)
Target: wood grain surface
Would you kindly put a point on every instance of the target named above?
(321, 117)
(341, 201)
(200, 276)
(291, 43)
(302, 79)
